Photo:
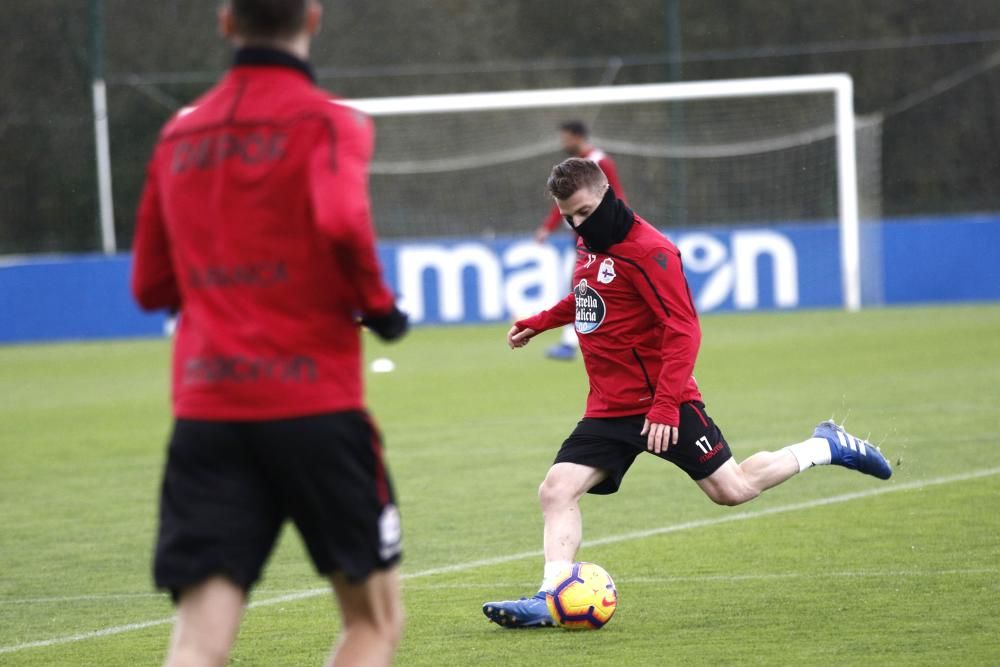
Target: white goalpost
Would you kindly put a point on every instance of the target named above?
(458, 108)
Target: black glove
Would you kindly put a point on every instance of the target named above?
(389, 327)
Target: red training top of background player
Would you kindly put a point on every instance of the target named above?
(255, 222)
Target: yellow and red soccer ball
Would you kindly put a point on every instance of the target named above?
(584, 598)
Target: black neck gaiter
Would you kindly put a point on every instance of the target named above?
(609, 223)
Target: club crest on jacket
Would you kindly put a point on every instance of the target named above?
(606, 272)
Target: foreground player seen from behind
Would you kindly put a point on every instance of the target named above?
(255, 225)
(639, 335)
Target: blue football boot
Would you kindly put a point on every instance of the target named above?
(524, 613)
(851, 452)
(561, 352)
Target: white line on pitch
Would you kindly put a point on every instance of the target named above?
(106, 632)
(735, 578)
(82, 598)
(499, 560)
(105, 597)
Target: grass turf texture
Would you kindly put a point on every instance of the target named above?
(901, 578)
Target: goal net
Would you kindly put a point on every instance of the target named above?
(748, 152)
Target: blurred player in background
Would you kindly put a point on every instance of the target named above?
(255, 225)
(640, 337)
(575, 139)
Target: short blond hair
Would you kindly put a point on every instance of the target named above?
(575, 174)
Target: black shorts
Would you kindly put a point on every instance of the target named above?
(229, 486)
(612, 444)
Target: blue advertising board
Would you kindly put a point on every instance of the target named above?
(487, 280)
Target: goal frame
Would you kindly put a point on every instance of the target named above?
(840, 85)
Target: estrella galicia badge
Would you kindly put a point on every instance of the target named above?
(590, 309)
(606, 271)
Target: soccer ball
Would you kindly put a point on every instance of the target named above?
(584, 598)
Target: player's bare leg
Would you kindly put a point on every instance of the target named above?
(208, 617)
(559, 495)
(734, 484)
(372, 613)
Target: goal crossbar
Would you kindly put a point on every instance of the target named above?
(840, 85)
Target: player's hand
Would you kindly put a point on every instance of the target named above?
(518, 337)
(542, 235)
(659, 436)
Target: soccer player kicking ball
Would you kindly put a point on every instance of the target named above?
(639, 335)
(255, 224)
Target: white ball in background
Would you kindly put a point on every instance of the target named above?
(383, 365)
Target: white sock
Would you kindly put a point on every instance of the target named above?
(552, 570)
(812, 452)
(569, 336)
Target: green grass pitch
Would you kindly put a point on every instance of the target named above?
(832, 568)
